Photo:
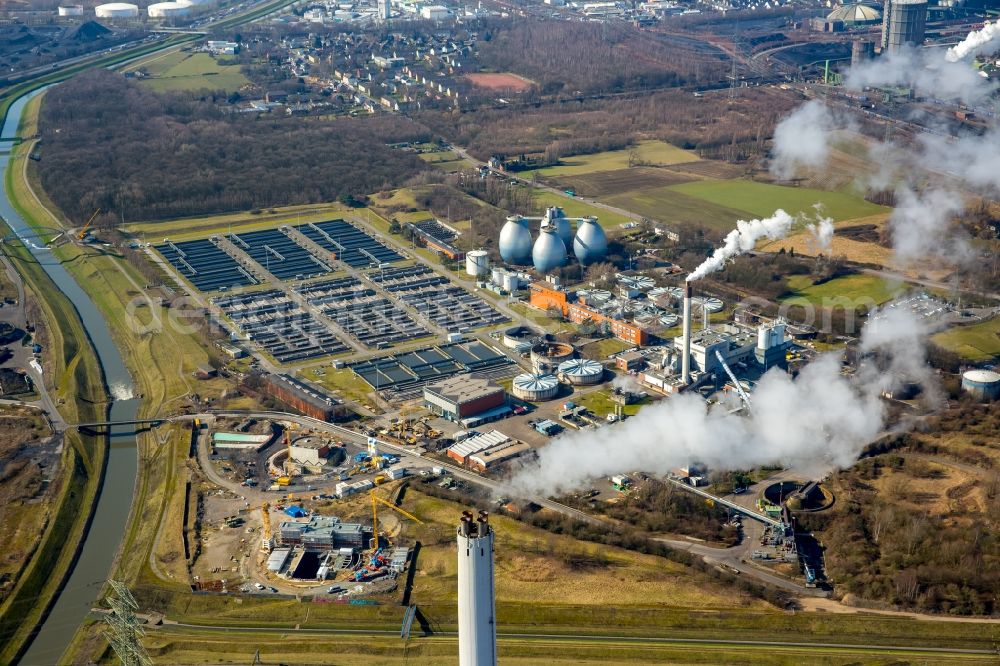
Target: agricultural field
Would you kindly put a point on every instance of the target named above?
(978, 342)
(762, 199)
(857, 289)
(649, 153)
(499, 81)
(180, 70)
(602, 184)
(855, 240)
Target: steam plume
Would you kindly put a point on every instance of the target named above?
(978, 41)
(801, 140)
(743, 239)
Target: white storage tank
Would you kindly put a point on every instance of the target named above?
(116, 10)
(534, 388)
(71, 10)
(581, 372)
(168, 10)
(983, 385)
(511, 281)
(477, 263)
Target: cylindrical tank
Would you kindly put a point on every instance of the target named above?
(861, 50)
(116, 10)
(496, 275)
(168, 10)
(983, 385)
(477, 263)
(535, 387)
(71, 10)
(581, 371)
(517, 336)
(903, 24)
(549, 251)
(556, 217)
(511, 282)
(546, 356)
(590, 244)
(477, 628)
(515, 241)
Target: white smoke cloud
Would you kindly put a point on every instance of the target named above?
(743, 239)
(923, 70)
(801, 141)
(978, 41)
(816, 422)
(922, 226)
(821, 230)
(900, 335)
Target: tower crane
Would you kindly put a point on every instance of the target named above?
(376, 500)
(86, 226)
(739, 387)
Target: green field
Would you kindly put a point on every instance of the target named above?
(192, 71)
(668, 205)
(577, 208)
(656, 153)
(979, 342)
(762, 199)
(859, 289)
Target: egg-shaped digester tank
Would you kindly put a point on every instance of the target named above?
(590, 244)
(515, 241)
(549, 251)
(556, 217)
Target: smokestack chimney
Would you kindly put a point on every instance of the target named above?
(686, 353)
(477, 632)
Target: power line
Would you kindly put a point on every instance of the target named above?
(124, 630)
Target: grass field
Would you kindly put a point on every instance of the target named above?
(668, 205)
(447, 160)
(199, 227)
(859, 289)
(180, 70)
(654, 153)
(762, 199)
(979, 342)
(601, 349)
(601, 404)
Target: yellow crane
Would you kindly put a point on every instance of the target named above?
(83, 231)
(265, 515)
(376, 500)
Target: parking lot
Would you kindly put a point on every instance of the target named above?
(280, 327)
(205, 265)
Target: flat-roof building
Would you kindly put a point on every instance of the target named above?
(483, 460)
(305, 398)
(309, 451)
(460, 452)
(463, 396)
(322, 533)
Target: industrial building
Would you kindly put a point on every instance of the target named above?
(438, 237)
(983, 385)
(549, 296)
(465, 396)
(855, 14)
(554, 242)
(903, 23)
(309, 451)
(306, 399)
(461, 451)
(321, 533)
(477, 628)
(486, 459)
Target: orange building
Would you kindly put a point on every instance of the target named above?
(543, 298)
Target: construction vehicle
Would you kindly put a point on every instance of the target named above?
(283, 481)
(86, 227)
(376, 500)
(266, 542)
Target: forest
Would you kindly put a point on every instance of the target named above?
(109, 143)
(566, 56)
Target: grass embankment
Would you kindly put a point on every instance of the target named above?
(183, 70)
(203, 226)
(78, 386)
(852, 290)
(978, 342)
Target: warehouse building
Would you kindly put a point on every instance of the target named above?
(305, 399)
(322, 533)
(460, 452)
(493, 456)
(465, 396)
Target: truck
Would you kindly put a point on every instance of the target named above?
(620, 482)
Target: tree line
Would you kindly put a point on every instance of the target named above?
(110, 143)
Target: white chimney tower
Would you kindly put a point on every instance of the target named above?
(686, 332)
(477, 631)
